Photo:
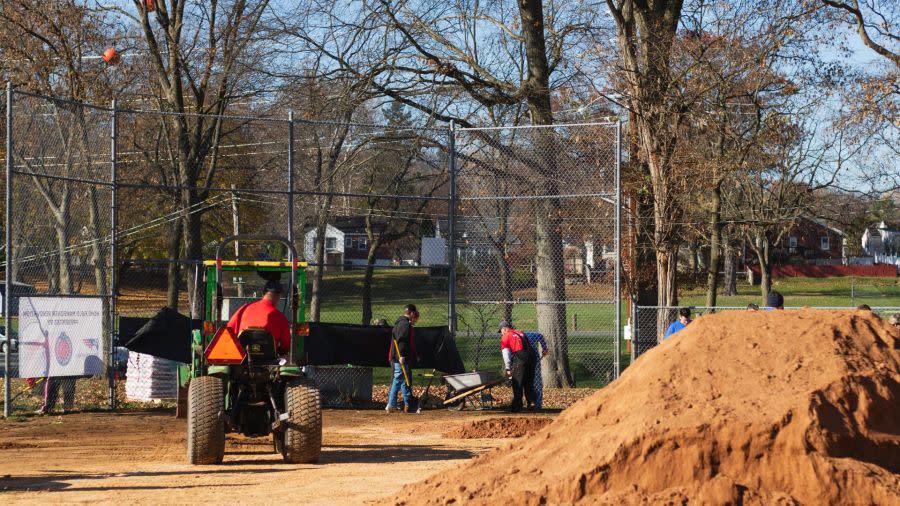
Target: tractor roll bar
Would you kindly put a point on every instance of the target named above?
(293, 259)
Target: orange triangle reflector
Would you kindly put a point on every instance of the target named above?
(225, 349)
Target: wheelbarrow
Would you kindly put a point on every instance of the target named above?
(473, 388)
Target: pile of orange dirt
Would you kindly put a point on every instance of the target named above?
(508, 427)
(774, 407)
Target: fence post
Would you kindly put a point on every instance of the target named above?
(451, 231)
(618, 293)
(113, 279)
(290, 178)
(7, 294)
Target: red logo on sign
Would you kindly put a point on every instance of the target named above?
(63, 349)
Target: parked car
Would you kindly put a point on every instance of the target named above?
(12, 343)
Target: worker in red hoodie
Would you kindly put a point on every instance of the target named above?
(520, 361)
(264, 314)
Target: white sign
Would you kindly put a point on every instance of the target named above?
(60, 336)
(434, 251)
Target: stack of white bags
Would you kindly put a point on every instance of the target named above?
(150, 378)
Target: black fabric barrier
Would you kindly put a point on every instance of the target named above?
(362, 345)
(166, 335)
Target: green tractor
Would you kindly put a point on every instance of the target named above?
(239, 383)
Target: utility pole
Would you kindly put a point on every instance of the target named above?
(236, 221)
(236, 224)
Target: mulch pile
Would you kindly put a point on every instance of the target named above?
(776, 407)
(507, 427)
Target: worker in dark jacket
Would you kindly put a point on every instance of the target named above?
(403, 349)
(520, 360)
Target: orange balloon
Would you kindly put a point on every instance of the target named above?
(111, 56)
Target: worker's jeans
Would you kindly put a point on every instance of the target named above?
(399, 383)
(538, 383)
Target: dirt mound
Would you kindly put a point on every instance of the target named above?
(745, 407)
(508, 427)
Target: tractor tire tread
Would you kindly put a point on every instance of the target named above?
(206, 430)
(303, 435)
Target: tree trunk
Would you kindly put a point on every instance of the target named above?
(193, 248)
(98, 253)
(551, 286)
(367, 283)
(506, 291)
(64, 269)
(764, 256)
(730, 267)
(667, 266)
(548, 241)
(173, 269)
(715, 239)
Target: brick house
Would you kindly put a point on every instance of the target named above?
(810, 241)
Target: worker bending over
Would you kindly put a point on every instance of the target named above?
(519, 359)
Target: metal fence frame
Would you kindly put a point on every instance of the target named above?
(114, 185)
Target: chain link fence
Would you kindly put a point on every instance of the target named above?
(111, 211)
(536, 231)
(647, 324)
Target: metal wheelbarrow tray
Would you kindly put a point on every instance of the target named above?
(462, 387)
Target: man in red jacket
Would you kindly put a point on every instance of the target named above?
(264, 314)
(520, 361)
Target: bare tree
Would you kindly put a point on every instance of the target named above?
(197, 53)
(876, 23)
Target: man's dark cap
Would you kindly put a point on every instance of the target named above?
(274, 286)
(775, 299)
(504, 324)
(411, 308)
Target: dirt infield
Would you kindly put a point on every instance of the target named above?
(507, 427)
(139, 457)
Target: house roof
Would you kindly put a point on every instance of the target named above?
(352, 224)
(823, 223)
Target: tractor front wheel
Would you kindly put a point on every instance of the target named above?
(206, 430)
(303, 435)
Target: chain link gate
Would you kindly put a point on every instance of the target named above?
(536, 242)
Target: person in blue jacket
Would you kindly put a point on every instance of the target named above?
(541, 350)
(684, 318)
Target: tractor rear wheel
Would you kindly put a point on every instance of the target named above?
(303, 435)
(206, 430)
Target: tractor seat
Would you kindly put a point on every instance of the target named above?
(260, 346)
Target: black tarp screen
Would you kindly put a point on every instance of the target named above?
(362, 345)
(168, 335)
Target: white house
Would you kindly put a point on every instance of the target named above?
(882, 239)
(334, 245)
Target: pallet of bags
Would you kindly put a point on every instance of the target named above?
(150, 378)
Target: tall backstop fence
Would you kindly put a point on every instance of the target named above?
(110, 210)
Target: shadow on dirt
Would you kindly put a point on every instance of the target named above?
(374, 454)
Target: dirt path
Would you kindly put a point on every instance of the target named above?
(140, 458)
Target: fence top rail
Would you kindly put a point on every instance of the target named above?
(762, 308)
(497, 302)
(610, 121)
(522, 127)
